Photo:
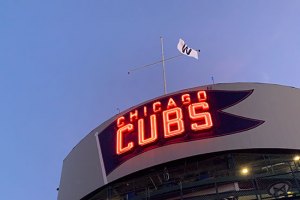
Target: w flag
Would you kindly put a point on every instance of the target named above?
(184, 49)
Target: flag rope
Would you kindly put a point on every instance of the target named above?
(157, 62)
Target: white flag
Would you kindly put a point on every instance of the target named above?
(184, 49)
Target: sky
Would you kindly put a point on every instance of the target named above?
(64, 64)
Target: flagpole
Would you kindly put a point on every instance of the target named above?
(163, 65)
(182, 48)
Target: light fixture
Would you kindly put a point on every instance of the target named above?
(244, 171)
(296, 158)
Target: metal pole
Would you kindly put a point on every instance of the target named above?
(181, 193)
(163, 65)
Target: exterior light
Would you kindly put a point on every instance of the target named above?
(290, 194)
(245, 171)
(296, 158)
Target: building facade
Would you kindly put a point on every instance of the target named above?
(223, 141)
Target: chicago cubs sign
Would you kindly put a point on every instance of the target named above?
(182, 117)
(173, 121)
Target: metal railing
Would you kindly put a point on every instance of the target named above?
(265, 180)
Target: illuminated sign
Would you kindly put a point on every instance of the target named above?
(173, 117)
(181, 117)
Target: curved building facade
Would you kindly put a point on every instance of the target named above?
(223, 141)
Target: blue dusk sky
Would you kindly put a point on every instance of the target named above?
(64, 64)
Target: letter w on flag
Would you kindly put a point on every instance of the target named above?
(184, 49)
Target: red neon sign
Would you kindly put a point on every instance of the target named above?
(178, 118)
(175, 117)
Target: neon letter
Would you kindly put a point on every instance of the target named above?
(156, 107)
(141, 130)
(120, 134)
(201, 96)
(145, 111)
(120, 121)
(133, 115)
(173, 123)
(203, 116)
(186, 99)
(171, 104)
